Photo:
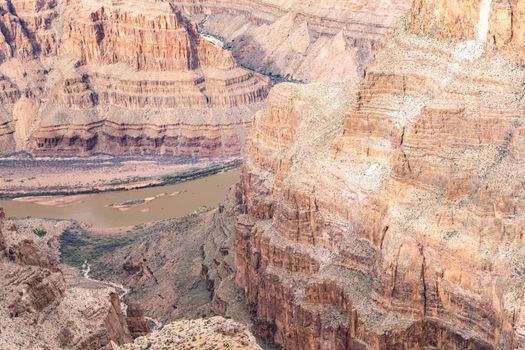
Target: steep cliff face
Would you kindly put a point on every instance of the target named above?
(81, 76)
(26, 28)
(305, 40)
(462, 19)
(385, 213)
(42, 306)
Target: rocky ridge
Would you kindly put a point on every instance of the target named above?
(384, 213)
(301, 40)
(45, 305)
(80, 76)
(207, 334)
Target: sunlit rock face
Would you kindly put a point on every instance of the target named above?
(44, 306)
(215, 332)
(78, 77)
(303, 40)
(386, 212)
(503, 20)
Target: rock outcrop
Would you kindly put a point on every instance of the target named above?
(212, 333)
(302, 40)
(181, 268)
(81, 76)
(44, 307)
(460, 19)
(387, 213)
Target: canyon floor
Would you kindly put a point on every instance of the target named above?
(82, 302)
(23, 175)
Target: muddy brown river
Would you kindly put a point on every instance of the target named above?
(127, 208)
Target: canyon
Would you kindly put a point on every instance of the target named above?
(386, 212)
(378, 207)
(299, 40)
(79, 77)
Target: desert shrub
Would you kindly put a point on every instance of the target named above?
(40, 232)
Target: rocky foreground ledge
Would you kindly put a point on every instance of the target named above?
(207, 334)
(46, 306)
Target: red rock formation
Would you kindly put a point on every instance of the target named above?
(119, 77)
(458, 20)
(305, 40)
(145, 36)
(41, 308)
(385, 214)
(26, 28)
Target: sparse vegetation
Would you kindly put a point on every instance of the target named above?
(78, 246)
(40, 232)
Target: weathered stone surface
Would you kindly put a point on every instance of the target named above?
(305, 40)
(212, 333)
(41, 306)
(81, 76)
(385, 213)
(137, 324)
(459, 20)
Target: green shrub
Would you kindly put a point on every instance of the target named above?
(40, 232)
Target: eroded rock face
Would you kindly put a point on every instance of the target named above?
(304, 40)
(460, 19)
(43, 307)
(181, 268)
(82, 76)
(385, 213)
(211, 333)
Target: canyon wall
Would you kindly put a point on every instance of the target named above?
(45, 306)
(301, 40)
(386, 213)
(460, 19)
(81, 76)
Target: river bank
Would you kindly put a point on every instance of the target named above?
(23, 175)
(130, 207)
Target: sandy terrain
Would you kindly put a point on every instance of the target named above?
(25, 175)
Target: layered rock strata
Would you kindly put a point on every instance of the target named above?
(385, 213)
(302, 40)
(80, 76)
(44, 307)
(460, 20)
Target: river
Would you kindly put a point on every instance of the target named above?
(127, 208)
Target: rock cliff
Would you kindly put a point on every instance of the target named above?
(386, 213)
(303, 40)
(81, 76)
(461, 20)
(43, 306)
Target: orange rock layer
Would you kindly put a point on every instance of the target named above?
(119, 77)
(386, 213)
